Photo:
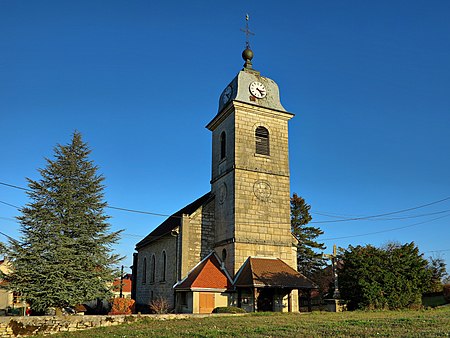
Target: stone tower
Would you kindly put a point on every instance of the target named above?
(250, 171)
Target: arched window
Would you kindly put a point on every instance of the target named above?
(153, 272)
(223, 145)
(262, 141)
(164, 261)
(144, 271)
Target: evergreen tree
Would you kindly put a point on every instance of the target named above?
(64, 256)
(438, 271)
(307, 259)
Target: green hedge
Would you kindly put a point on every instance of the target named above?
(228, 309)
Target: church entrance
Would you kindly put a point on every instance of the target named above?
(265, 300)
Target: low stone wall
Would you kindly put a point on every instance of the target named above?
(27, 326)
(46, 325)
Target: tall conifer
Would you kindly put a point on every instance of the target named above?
(64, 256)
(307, 259)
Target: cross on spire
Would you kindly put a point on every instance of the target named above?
(247, 32)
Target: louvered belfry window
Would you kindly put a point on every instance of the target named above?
(262, 141)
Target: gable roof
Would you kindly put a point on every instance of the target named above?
(208, 274)
(173, 221)
(270, 272)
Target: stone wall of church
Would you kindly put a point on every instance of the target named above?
(223, 188)
(151, 282)
(262, 187)
(197, 236)
(223, 180)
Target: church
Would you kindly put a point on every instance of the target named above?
(232, 246)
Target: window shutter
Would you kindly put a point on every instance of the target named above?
(262, 141)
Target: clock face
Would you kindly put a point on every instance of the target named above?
(226, 95)
(257, 89)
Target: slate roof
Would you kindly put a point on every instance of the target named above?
(208, 274)
(271, 272)
(173, 221)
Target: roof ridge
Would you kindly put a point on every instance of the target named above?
(173, 220)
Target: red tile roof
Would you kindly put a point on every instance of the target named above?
(126, 285)
(206, 275)
(271, 272)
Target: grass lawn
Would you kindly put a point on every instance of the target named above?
(423, 323)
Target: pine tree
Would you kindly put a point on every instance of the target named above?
(64, 256)
(307, 259)
(438, 271)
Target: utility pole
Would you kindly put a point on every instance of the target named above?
(121, 282)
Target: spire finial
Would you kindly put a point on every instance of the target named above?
(247, 54)
(247, 32)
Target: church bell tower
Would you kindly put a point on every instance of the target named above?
(250, 171)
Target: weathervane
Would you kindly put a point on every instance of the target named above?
(247, 54)
(247, 32)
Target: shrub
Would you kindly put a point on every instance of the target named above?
(228, 309)
(392, 277)
(446, 292)
(159, 305)
(122, 306)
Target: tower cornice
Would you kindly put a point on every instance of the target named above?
(250, 108)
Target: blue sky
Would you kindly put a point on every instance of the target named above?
(369, 83)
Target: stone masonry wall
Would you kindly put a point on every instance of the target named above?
(197, 236)
(28, 326)
(47, 325)
(262, 187)
(150, 288)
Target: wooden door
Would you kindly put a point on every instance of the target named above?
(207, 302)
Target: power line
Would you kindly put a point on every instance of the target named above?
(14, 186)
(401, 218)
(10, 205)
(437, 250)
(108, 206)
(315, 222)
(9, 237)
(380, 215)
(141, 212)
(382, 231)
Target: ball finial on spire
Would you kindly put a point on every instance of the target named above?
(247, 55)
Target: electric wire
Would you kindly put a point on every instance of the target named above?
(10, 205)
(372, 217)
(315, 222)
(384, 214)
(382, 231)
